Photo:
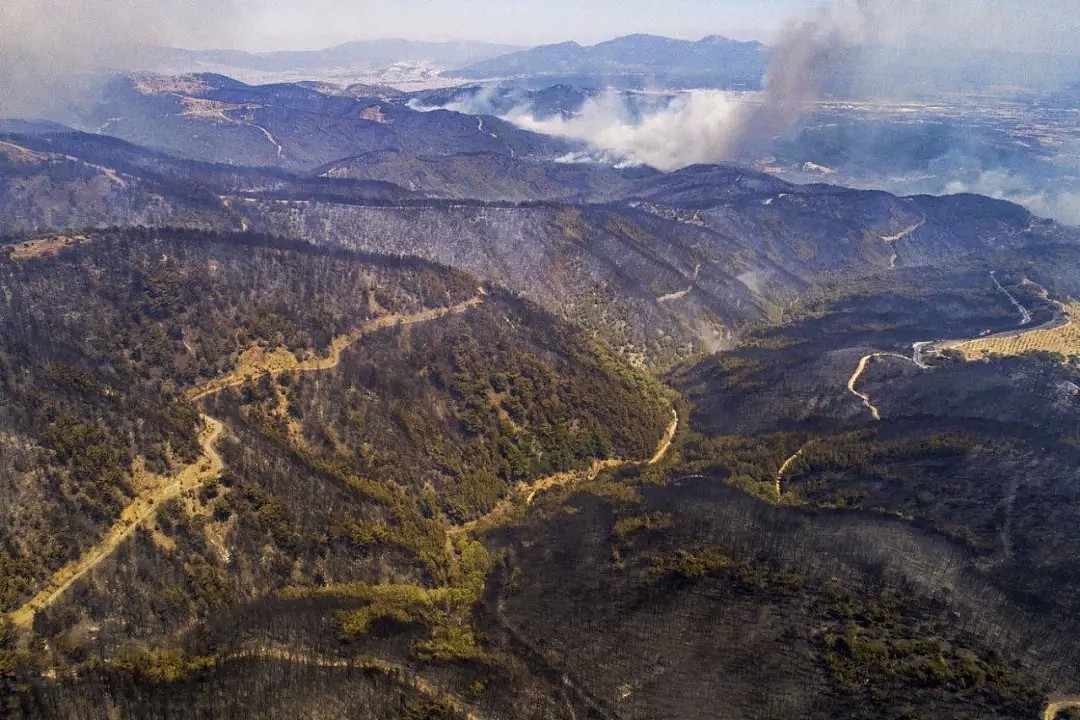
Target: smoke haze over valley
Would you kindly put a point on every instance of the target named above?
(564, 360)
(869, 52)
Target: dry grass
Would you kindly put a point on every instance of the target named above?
(144, 507)
(24, 156)
(1064, 340)
(151, 84)
(33, 249)
(256, 361)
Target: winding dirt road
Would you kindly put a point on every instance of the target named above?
(864, 363)
(526, 493)
(1025, 316)
(787, 466)
(859, 370)
(665, 442)
(1060, 320)
(679, 295)
(1058, 705)
(903, 233)
(394, 670)
(269, 136)
(209, 465)
(254, 362)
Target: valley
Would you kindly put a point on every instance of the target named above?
(323, 400)
(430, 628)
(1053, 336)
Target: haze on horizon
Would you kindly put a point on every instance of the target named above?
(1044, 26)
(57, 27)
(46, 45)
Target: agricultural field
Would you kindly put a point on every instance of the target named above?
(1063, 339)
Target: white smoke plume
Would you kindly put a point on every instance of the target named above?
(703, 126)
(695, 127)
(1061, 204)
(809, 56)
(480, 102)
(848, 47)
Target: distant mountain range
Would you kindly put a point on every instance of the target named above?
(633, 60)
(630, 61)
(360, 57)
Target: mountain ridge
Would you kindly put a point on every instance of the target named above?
(713, 61)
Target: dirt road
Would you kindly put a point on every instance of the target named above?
(525, 494)
(399, 672)
(787, 466)
(864, 362)
(665, 442)
(207, 467)
(1058, 705)
(254, 362)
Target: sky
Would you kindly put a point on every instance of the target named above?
(281, 24)
(59, 27)
(1044, 25)
(44, 43)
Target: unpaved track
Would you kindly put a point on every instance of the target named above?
(918, 349)
(1058, 705)
(226, 203)
(1060, 320)
(786, 466)
(903, 233)
(207, 467)
(281, 362)
(271, 138)
(665, 442)
(1025, 316)
(679, 295)
(525, 494)
(864, 363)
(397, 671)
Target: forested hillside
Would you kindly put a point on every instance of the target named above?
(664, 267)
(444, 396)
(322, 406)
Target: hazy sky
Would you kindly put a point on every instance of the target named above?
(46, 41)
(1042, 25)
(315, 23)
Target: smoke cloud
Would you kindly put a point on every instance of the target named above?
(695, 127)
(867, 49)
(711, 126)
(810, 56)
(52, 49)
(1061, 204)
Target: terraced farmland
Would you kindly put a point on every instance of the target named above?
(1064, 339)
